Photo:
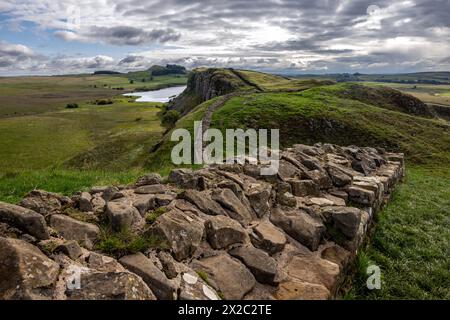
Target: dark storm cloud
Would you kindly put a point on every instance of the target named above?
(124, 35)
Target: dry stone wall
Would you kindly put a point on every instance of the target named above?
(228, 232)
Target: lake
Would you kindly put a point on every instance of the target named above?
(162, 95)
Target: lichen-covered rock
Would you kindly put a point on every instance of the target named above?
(226, 275)
(344, 219)
(259, 197)
(300, 226)
(300, 290)
(312, 269)
(24, 219)
(122, 216)
(44, 202)
(223, 231)
(184, 178)
(267, 237)
(149, 179)
(236, 209)
(110, 286)
(263, 267)
(25, 272)
(151, 189)
(84, 202)
(152, 276)
(303, 188)
(70, 248)
(71, 229)
(182, 232)
(203, 201)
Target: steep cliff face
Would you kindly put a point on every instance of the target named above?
(205, 84)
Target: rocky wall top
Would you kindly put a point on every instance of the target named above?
(223, 232)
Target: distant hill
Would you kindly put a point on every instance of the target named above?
(106, 72)
(168, 69)
(409, 78)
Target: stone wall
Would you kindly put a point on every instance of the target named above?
(228, 232)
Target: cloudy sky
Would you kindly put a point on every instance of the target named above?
(292, 36)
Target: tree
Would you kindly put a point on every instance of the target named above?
(170, 118)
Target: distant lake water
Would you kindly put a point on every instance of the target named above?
(162, 95)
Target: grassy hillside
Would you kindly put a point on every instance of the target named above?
(411, 244)
(326, 114)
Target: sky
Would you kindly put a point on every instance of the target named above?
(46, 37)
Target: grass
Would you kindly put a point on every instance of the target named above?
(34, 95)
(89, 137)
(411, 244)
(321, 115)
(119, 244)
(151, 217)
(16, 184)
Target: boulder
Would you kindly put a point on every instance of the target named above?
(203, 201)
(98, 204)
(267, 237)
(361, 196)
(44, 202)
(104, 263)
(303, 188)
(84, 202)
(110, 286)
(70, 248)
(226, 275)
(237, 210)
(152, 276)
(321, 178)
(339, 178)
(149, 179)
(259, 197)
(344, 219)
(71, 229)
(144, 203)
(285, 196)
(314, 270)
(263, 267)
(162, 200)
(24, 219)
(336, 254)
(25, 272)
(300, 290)
(300, 226)
(111, 193)
(184, 178)
(123, 216)
(183, 232)
(223, 231)
(151, 189)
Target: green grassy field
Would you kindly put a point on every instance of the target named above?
(411, 244)
(44, 145)
(33, 95)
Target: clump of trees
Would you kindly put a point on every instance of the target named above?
(102, 102)
(72, 105)
(170, 118)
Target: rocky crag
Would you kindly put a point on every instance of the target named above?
(224, 232)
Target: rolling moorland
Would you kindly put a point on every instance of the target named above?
(46, 146)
